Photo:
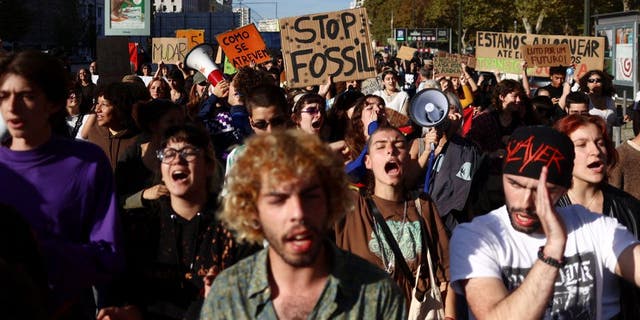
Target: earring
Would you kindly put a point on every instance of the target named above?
(255, 224)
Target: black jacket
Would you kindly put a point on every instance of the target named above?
(626, 209)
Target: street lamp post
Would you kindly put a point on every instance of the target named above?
(459, 27)
(587, 21)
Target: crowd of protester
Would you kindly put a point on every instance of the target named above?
(157, 200)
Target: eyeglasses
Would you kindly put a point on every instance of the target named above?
(311, 111)
(169, 154)
(263, 124)
(594, 80)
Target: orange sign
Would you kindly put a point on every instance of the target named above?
(194, 37)
(244, 46)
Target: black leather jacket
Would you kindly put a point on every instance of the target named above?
(617, 204)
(626, 209)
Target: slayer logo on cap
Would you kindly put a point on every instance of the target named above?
(526, 152)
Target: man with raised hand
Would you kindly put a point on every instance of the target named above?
(530, 260)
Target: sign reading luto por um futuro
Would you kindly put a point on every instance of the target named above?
(502, 51)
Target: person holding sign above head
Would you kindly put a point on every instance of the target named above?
(176, 83)
(393, 97)
(557, 76)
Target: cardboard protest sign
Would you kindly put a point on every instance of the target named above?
(243, 46)
(333, 44)
(501, 51)
(194, 37)
(406, 53)
(546, 55)
(228, 67)
(446, 66)
(219, 56)
(169, 50)
(469, 60)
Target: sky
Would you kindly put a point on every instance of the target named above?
(291, 8)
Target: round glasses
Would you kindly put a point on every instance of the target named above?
(168, 155)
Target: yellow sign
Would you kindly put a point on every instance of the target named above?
(194, 36)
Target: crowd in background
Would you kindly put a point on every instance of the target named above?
(139, 235)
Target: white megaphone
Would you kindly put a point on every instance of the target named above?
(429, 108)
(199, 58)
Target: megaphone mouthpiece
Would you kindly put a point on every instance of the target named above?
(429, 107)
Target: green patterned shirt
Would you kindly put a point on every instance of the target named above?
(355, 289)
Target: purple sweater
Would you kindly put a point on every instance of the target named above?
(65, 190)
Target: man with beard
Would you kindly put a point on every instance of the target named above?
(288, 188)
(529, 260)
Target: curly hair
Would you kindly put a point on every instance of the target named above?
(247, 78)
(281, 156)
(607, 85)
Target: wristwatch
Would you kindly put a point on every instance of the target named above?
(550, 261)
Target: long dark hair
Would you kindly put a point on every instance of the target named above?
(354, 137)
(607, 84)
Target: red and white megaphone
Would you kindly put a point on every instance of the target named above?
(199, 58)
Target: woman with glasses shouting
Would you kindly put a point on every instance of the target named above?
(599, 87)
(176, 242)
(309, 115)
